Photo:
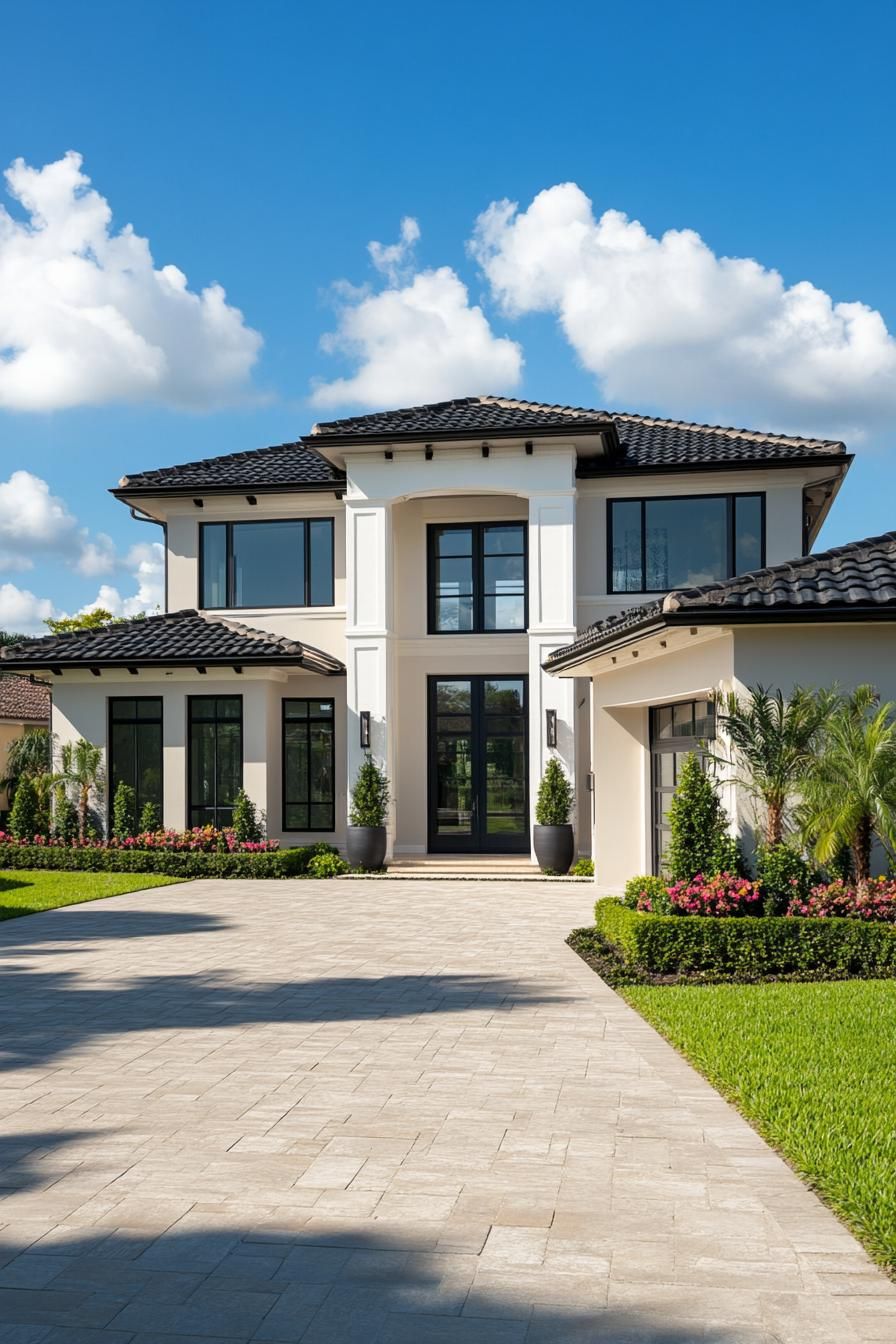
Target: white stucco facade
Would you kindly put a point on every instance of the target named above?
(378, 625)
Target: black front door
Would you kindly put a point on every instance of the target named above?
(478, 765)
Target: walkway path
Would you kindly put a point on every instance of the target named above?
(383, 1113)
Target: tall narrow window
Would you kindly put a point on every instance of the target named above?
(276, 563)
(135, 749)
(216, 758)
(309, 766)
(477, 578)
(675, 731)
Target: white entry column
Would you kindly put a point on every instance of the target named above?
(369, 652)
(552, 624)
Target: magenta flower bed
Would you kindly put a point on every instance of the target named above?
(723, 894)
(201, 839)
(841, 900)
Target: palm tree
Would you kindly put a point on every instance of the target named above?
(849, 792)
(30, 755)
(773, 740)
(82, 769)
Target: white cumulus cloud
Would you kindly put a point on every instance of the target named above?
(33, 522)
(22, 612)
(665, 322)
(145, 563)
(417, 339)
(37, 527)
(86, 317)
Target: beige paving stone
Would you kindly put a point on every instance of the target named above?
(395, 1112)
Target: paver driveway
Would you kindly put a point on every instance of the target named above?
(390, 1113)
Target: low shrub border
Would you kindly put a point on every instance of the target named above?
(746, 945)
(172, 863)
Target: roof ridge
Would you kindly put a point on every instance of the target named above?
(252, 632)
(558, 407)
(86, 631)
(318, 426)
(727, 431)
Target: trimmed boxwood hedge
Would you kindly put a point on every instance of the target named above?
(746, 945)
(171, 862)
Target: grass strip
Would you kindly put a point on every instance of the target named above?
(813, 1068)
(25, 892)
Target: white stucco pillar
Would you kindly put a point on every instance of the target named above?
(552, 587)
(369, 624)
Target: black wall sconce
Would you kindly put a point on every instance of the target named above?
(550, 727)
(364, 721)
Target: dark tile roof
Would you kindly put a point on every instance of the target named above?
(645, 444)
(286, 466)
(473, 415)
(644, 441)
(178, 637)
(23, 700)
(856, 579)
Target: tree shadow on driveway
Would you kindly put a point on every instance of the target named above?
(47, 1013)
(84, 923)
(372, 1283)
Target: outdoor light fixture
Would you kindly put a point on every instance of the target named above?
(364, 719)
(550, 727)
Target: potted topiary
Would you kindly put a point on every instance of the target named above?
(366, 835)
(553, 837)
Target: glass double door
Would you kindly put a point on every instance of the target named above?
(478, 765)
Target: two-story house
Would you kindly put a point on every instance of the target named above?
(412, 583)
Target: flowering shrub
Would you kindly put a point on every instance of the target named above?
(648, 894)
(845, 900)
(723, 894)
(201, 839)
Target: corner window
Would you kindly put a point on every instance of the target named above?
(274, 563)
(216, 758)
(477, 578)
(309, 766)
(135, 749)
(683, 541)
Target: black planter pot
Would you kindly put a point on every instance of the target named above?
(365, 846)
(554, 847)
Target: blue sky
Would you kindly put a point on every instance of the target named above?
(262, 148)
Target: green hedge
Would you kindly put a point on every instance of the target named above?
(746, 945)
(173, 863)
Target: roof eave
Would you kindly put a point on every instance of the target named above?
(702, 616)
(124, 492)
(819, 459)
(320, 442)
(85, 664)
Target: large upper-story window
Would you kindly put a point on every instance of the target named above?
(275, 563)
(477, 578)
(683, 541)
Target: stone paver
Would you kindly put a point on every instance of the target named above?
(397, 1113)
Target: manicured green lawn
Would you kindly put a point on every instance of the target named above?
(26, 891)
(813, 1067)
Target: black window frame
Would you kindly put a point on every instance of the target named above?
(216, 807)
(284, 801)
(230, 564)
(478, 530)
(671, 746)
(160, 722)
(731, 540)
